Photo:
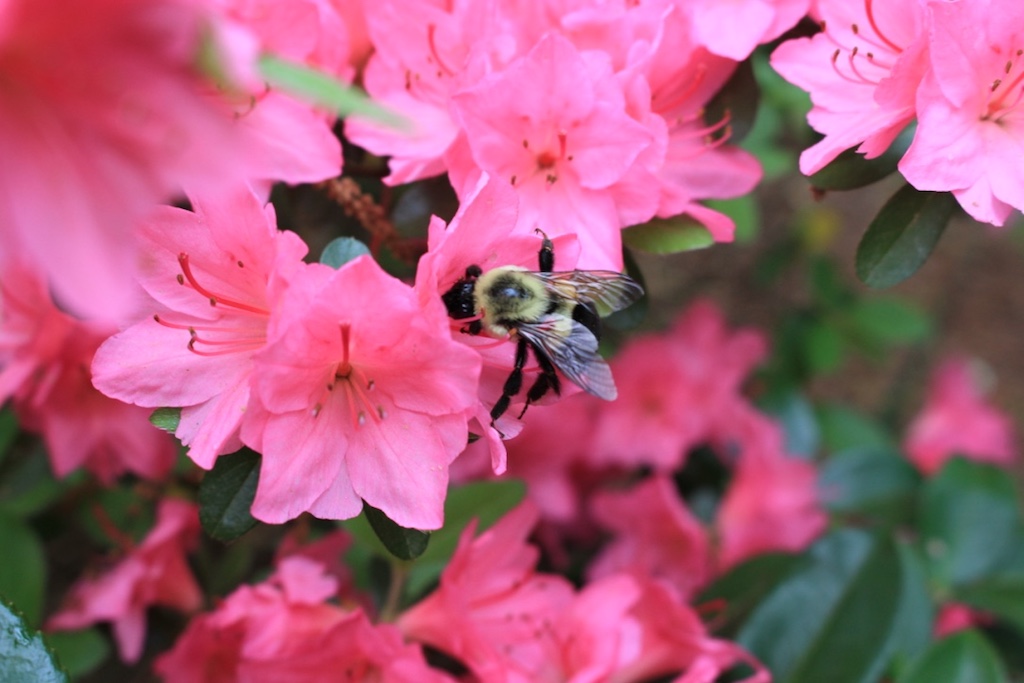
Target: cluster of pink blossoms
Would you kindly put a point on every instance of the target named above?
(592, 112)
(956, 68)
(678, 391)
(493, 611)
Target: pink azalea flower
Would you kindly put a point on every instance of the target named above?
(425, 52)
(45, 356)
(153, 573)
(492, 610)
(862, 72)
(772, 503)
(554, 125)
(969, 108)
(655, 535)
(697, 162)
(101, 118)
(284, 631)
(957, 420)
(214, 273)
(359, 394)
(716, 27)
(674, 388)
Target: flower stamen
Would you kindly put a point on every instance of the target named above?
(215, 299)
(431, 34)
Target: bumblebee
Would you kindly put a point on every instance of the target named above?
(554, 314)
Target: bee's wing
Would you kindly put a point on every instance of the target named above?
(606, 290)
(573, 350)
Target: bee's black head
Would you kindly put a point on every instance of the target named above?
(459, 299)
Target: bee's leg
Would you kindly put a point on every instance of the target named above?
(546, 381)
(514, 382)
(546, 255)
(474, 328)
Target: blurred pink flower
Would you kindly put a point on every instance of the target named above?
(155, 572)
(715, 23)
(956, 616)
(294, 141)
(673, 388)
(862, 72)
(507, 622)
(772, 503)
(102, 117)
(969, 108)
(359, 394)
(284, 631)
(215, 274)
(630, 628)
(654, 535)
(45, 356)
(550, 453)
(957, 420)
(328, 550)
(492, 609)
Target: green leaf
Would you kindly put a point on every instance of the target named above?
(27, 485)
(1002, 590)
(916, 611)
(340, 251)
(851, 170)
(324, 91)
(744, 586)
(226, 494)
(79, 652)
(405, 544)
(23, 569)
(166, 419)
(735, 102)
(831, 619)
(969, 517)
(829, 286)
(843, 428)
(798, 422)
(8, 431)
(668, 236)
(885, 321)
(902, 236)
(824, 347)
(743, 211)
(485, 501)
(113, 514)
(24, 657)
(965, 657)
(870, 480)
